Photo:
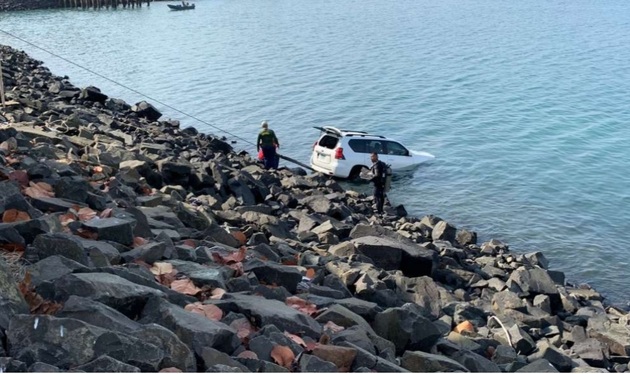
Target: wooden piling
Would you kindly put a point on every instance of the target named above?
(2, 86)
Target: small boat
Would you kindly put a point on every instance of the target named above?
(181, 7)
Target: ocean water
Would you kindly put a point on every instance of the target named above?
(524, 103)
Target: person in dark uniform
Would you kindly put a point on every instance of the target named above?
(268, 142)
(378, 171)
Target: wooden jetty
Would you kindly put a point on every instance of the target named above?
(99, 4)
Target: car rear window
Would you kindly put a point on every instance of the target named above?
(328, 141)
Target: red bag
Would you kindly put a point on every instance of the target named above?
(261, 155)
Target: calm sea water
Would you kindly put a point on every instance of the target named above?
(524, 103)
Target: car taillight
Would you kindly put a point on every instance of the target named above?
(339, 154)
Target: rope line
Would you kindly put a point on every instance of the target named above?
(126, 87)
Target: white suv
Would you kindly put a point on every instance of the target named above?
(343, 153)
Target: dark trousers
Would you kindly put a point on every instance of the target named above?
(269, 152)
(379, 198)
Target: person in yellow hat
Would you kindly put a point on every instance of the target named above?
(268, 142)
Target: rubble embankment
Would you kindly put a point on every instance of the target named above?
(132, 244)
(12, 5)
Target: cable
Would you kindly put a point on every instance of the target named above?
(126, 87)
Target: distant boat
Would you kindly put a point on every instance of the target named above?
(181, 7)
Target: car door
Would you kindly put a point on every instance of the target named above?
(397, 155)
(359, 154)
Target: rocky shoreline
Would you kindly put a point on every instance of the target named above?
(12, 5)
(130, 244)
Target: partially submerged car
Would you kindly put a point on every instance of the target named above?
(343, 153)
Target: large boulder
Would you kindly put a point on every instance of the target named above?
(146, 110)
(270, 312)
(195, 330)
(116, 292)
(57, 244)
(67, 342)
(407, 329)
(390, 254)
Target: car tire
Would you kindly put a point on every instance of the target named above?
(355, 172)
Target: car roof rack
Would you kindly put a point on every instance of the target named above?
(338, 132)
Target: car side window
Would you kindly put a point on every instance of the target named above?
(358, 145)
(375, 146)
(328, 141)
(396, 149)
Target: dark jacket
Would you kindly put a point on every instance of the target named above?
(267, 138)
(379, 170)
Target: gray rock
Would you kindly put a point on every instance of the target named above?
(101, 253)
(11, 300)
(313, 364)
(111, 290)
(407, 330)
(51, 268)
(475, 362)
(272, 273)
(113, 229)
(593, 352)
(417, 361)
(57, 244)
(146, 110)
(262, 346)
(389, 254)
(343, 317)
(211, 356)
(149, 253)
(92, 93)
(40, 367)
(97, 314)
(201, 275)
(444, 231)
(108, 365)
(176, 353)
(504, 354)
(538, 366)
(372, 362)
(66, 342)
(11, 198)
(546, 351)
(196, 331)
(72, 189)
(270, 312)
(520, 340)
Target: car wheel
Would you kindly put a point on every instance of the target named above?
(355, 172)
